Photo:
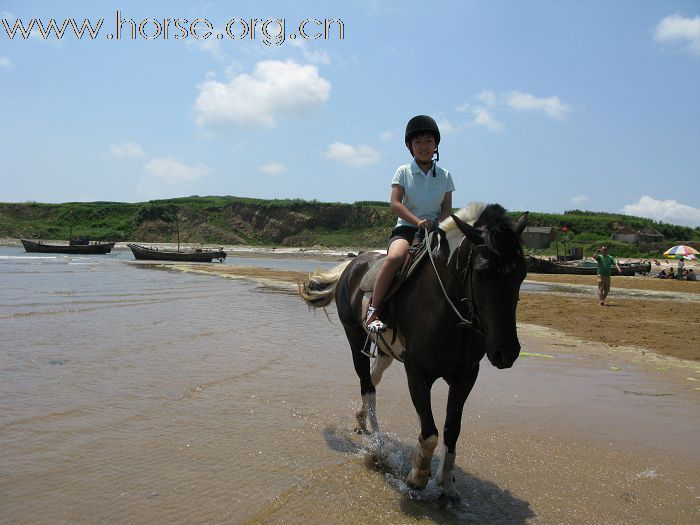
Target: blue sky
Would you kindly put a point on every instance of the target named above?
(543, 105)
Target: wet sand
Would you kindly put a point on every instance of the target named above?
(669, 326)
(218, 401)
(658, 323)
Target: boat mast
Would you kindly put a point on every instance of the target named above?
(177, 224)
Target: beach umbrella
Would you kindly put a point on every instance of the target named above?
(690, 257)
(680, 250)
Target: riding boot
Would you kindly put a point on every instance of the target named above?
(373, 323)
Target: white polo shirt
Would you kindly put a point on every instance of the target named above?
(423, 194)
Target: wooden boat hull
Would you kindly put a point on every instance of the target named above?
(75, 249)
(535, 265)
(152, 254)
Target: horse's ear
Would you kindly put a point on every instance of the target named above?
(472, 233)
(521, 223)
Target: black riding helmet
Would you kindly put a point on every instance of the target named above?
(422, 124)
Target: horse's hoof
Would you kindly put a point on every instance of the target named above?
(416, 482)
(360, 431)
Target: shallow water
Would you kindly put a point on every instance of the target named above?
(134, 395)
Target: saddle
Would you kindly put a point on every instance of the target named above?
(416, 255)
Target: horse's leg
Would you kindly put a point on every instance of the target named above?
(460, 387)
(380, 364)
(419, 387)
(357, 339)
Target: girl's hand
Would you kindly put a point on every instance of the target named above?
(425, 224)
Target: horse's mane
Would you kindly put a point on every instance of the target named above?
(494, 225)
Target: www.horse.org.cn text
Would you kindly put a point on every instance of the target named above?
(269, 31)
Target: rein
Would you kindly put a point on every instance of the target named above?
(372, 344)
(468, 323)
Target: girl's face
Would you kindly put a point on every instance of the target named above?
(423, 147)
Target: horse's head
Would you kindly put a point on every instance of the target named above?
(490, 258)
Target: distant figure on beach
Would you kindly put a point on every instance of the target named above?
(691, 276)
(671, 273)
(605, 265)
(681, 264)
(662, 274)
(421, 196)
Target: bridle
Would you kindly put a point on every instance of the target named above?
(472, 322)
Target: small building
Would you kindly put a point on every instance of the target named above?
(625, 234)
(649, 235)
(537, 236)
(646, 236)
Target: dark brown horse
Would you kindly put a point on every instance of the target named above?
(457, 307)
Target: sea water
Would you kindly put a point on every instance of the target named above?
(130, 394)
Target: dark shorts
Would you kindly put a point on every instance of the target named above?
(403, 232)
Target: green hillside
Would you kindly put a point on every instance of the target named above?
(237, 220)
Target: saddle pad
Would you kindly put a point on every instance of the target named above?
(367, 282)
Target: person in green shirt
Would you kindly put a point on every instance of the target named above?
(605, 265)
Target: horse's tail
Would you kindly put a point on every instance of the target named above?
(319, 289)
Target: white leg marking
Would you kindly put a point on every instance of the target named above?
(445, 474)
(379, 365)
(420, 461)
(369, 407)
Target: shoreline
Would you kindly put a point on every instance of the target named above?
(343, 252)
(237, 250)
(630, 320)
(642, 311)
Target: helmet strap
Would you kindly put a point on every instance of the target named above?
(435, 161)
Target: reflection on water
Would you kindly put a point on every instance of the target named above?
(132, 395)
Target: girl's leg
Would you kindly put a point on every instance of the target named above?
(392, 264)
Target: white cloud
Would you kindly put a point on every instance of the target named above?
(211, 46)
(5, 63)
(670, 211)
(487, 104)
(273, 168)
(552, 106)
(352, 155)
(446, 126)
(387, 135)
(580, 199)
(126, 150)
(318, 56)
(170, 170)
(252, 100)
(485, 119)
(488, 98)
(678, 29)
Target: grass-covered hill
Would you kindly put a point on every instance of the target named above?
(237, 220)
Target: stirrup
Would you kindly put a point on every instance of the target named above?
(373, 323)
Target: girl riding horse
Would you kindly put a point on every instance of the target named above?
(421, 195)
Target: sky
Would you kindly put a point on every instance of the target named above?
(542, 105)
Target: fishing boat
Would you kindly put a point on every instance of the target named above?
(155, 254)
(76, 249)
(582, 267)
